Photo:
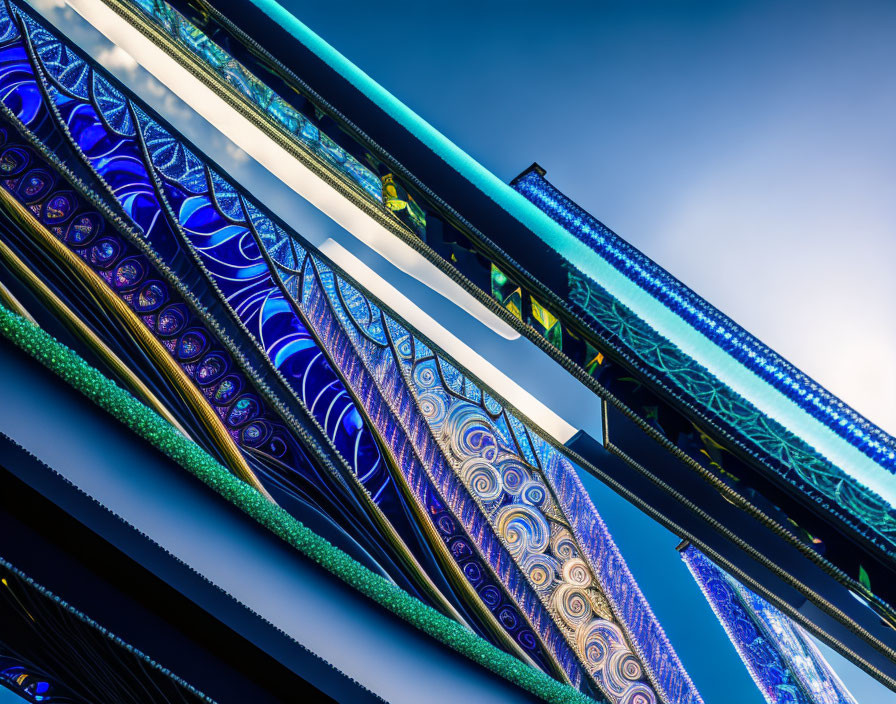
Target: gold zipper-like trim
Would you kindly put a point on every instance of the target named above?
(156, 351)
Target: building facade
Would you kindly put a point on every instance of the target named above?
(362, 426)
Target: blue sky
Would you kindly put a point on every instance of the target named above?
(746, 147)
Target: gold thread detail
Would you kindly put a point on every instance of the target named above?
(157, 352)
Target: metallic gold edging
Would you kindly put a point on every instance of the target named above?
(157, 352)
(14, 304)
(83, 331)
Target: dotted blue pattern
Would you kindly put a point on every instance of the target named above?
(780, 656)
(749, 351)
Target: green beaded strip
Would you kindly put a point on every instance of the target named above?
(146, 423)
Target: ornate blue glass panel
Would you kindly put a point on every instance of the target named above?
(501, 509)
(533, 499)
(781, 658)
(238, 271)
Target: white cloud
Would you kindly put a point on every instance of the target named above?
(117, 59)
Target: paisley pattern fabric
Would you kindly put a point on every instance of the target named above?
(443, 488)
(781, 657)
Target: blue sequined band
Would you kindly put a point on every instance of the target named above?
(781, 658)
(723, 331)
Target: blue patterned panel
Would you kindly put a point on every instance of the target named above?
(502, 521)
(611, 571)
(134, 279)
(20, 92)
(8, 29)
(230, 256)
(833, 489)
(781, 658)
(487, 447)
(281, 113)
(481, 558)
(727, 334)
(524, 486)
(178, 188)
(116, 155)
(521, 508)
(457, 408)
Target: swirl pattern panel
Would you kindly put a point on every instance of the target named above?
(494, 515)
(179, 197)
(485, 564)
(497, 458)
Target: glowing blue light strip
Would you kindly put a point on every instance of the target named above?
(727, 334)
